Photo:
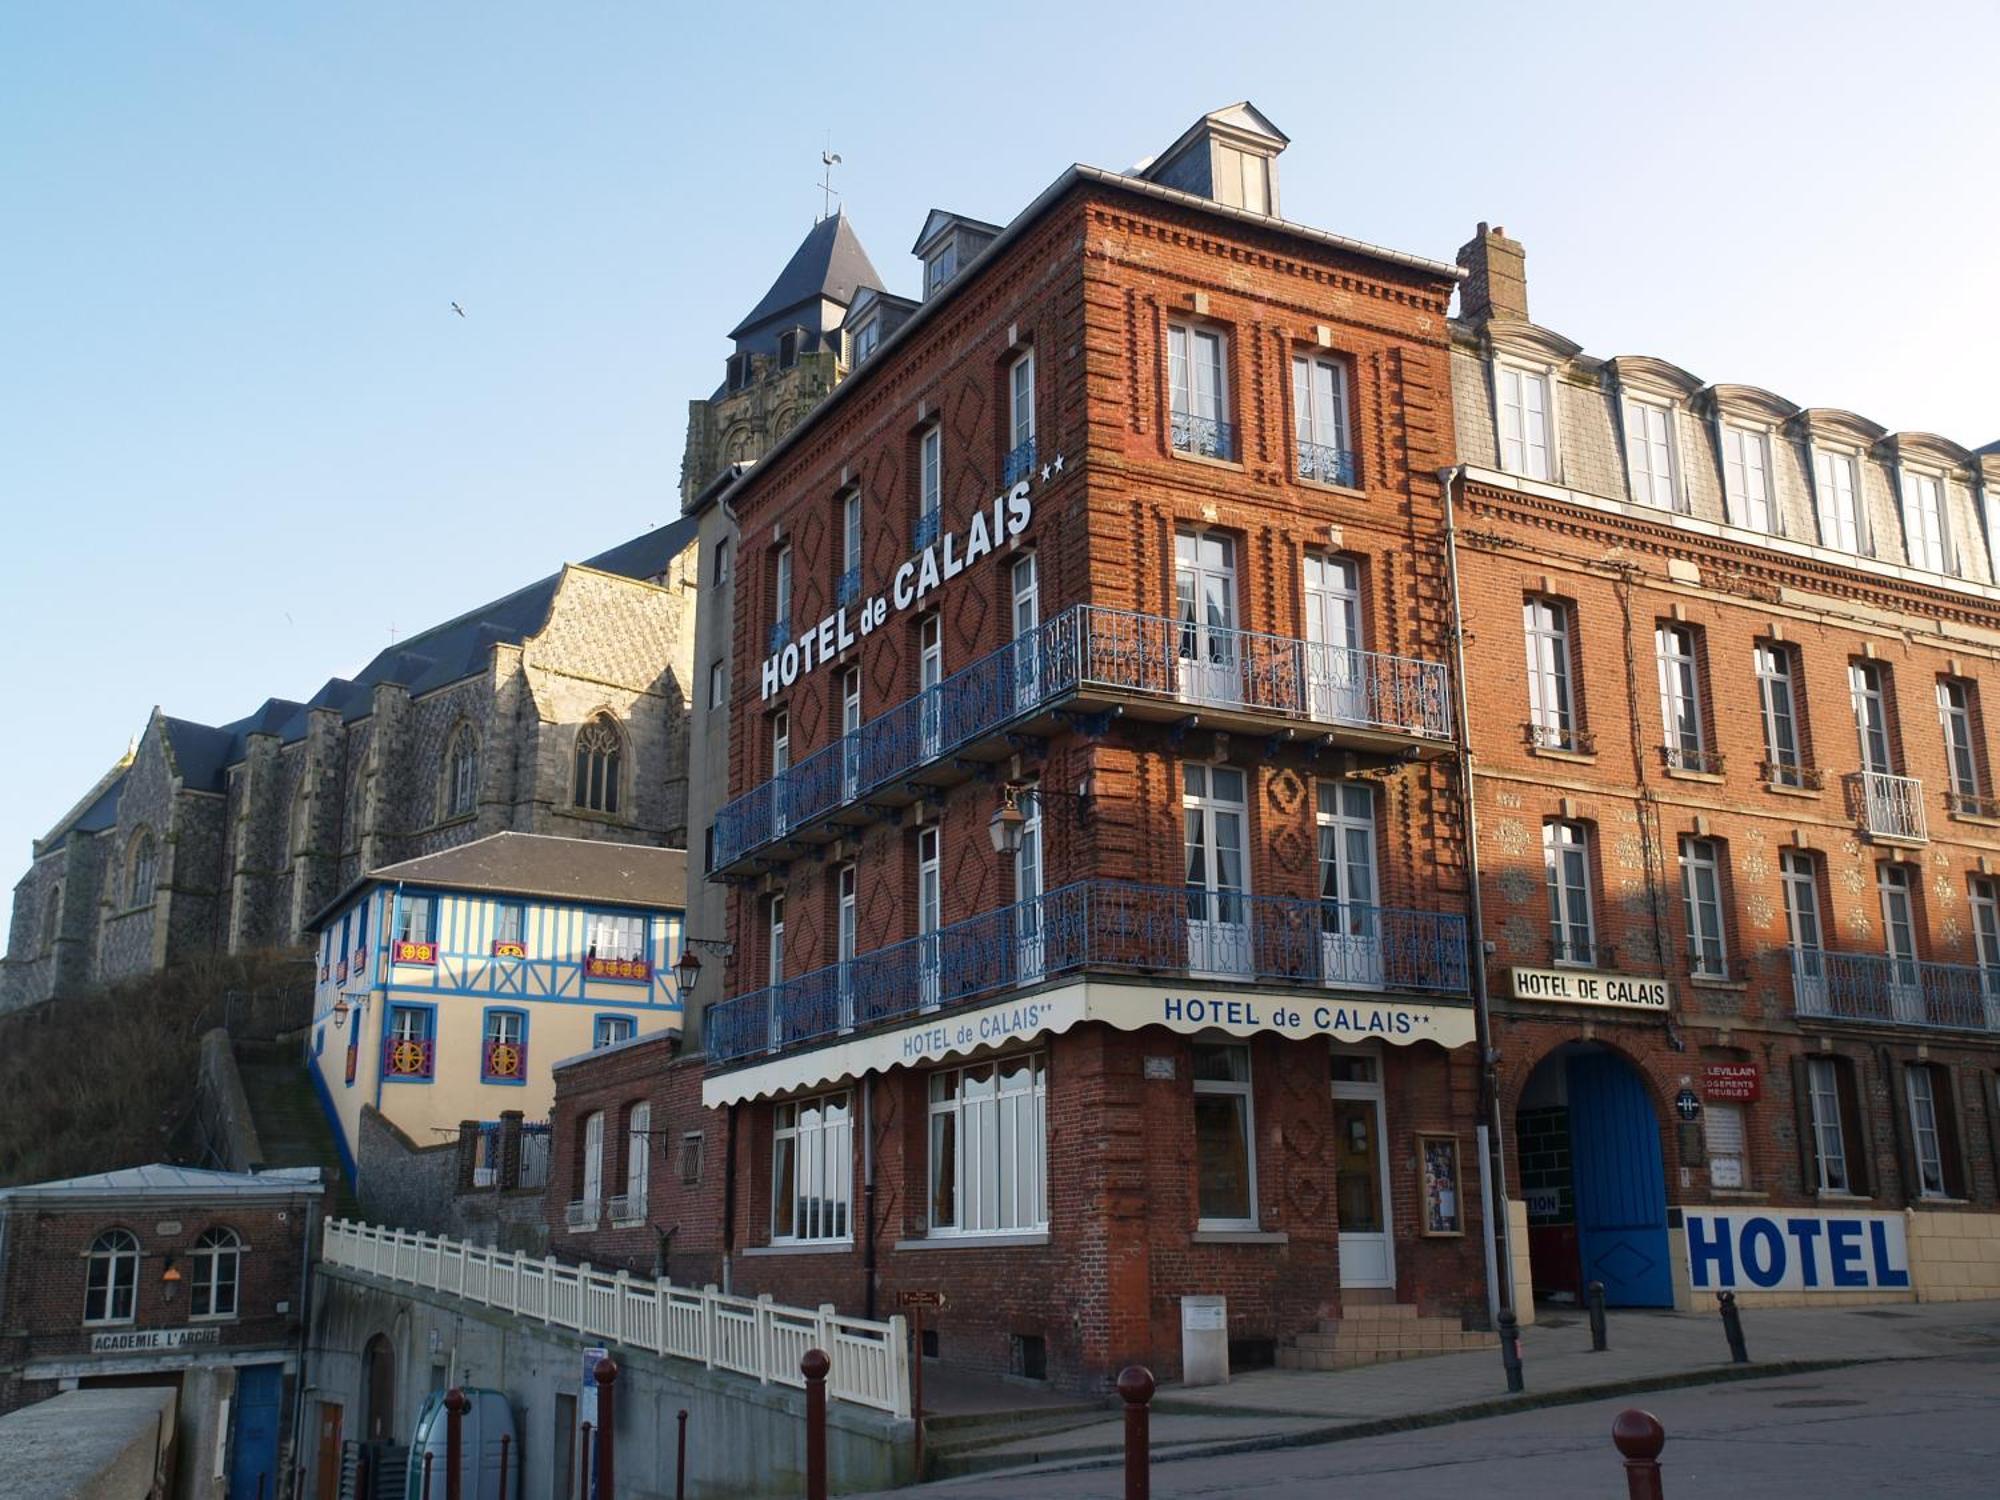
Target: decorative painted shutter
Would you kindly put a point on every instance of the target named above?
(1802, 1108)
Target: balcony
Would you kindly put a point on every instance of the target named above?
(1091, 659)
(849, 587)
(1322, 465)
(780, 636)
(628, 1208)
(926, 530)
(1204, 437)
(1018, 464)
(1977, 805)
(1101, 925)
(1791, 775)
(582, 1214)
(1889, 807)
(1879, 990)
(1563, 739)
(1689, 761)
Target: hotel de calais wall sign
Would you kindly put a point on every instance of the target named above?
(939, 563)
(1580, 987)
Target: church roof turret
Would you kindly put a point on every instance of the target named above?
(828, 266)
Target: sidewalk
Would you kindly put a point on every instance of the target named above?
(1648, 1351)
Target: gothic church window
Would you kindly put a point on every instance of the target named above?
(141, 887)
(599, 752)
(461, 772)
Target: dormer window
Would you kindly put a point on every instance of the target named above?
(941, 267)
(788, 350)
(1746, 477)
(1926, 524)
(1242, 179)
(739, 371)
(1649, 453)
(1837, 488)
(1526, 445)
(866, 339)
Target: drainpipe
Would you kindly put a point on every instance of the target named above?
(729, 1200)
(1492, 1147)
(299, 1446)
(868, 1192)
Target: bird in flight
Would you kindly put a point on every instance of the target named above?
(457, 309)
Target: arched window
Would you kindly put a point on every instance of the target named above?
(461, 772)
(599, 749)
(52, 919)
(218, 1257)
(113, 1283)
(141, 887)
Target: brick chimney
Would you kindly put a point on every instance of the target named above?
(1498, 284)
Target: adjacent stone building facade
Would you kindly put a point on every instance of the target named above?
(1738, 831)
(232, 837)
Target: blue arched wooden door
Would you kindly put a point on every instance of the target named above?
(1620, 1182)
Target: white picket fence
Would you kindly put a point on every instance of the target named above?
(751, 1336)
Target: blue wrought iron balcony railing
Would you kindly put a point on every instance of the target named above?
(1108, 655)
(926, 531)
(1100, 925)
(1323, 465)
(1018, 464)
(1895, 991)
(781, 635)
(1205, 437)
(849, 588)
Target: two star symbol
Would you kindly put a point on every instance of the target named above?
(1054, 466)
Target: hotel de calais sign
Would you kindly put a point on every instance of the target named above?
(1580, 987)
(935, 566)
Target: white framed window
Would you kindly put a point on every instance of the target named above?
(510, 920)
(850, 731)
(781, 594)
(930, 681)
(721, 562)
(1551, 715)
(775, 942)
(609, 1031)
(930, 480)
(1215, 815)
(1701, 896)
(638, 1145)
(1566, 870)
(1225, 1145)
(1868, 688)
(848, 915)
(1837, 491)
(989, 1135)
(867, 338)
(1926, 1134)
(781, 742)
(1955, 700)
(1198, 378)
(1800, 879)
(930, 914)
(1649, 454)
(617, 935)
(1676, 650)
(1728, 1148)
(1746, 478)
(217, 1265)
(812, 1170)
(1986, 935)
(1783, 756)
(1829, 1138)
(1319, 416)
(111, 1281)
(718, 683)
(1527, 431)
(1021, 401)
(850, 536)
(1926, 523)
(593, 1163)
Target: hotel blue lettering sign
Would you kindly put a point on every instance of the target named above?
(1779, 1251)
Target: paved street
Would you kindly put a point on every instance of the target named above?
(1928, 1427)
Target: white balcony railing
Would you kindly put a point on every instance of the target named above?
(582, 1214)
(751, 1336)
(628, 1208)
(1891, 807)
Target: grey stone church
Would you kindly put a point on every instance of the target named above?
(559, 709)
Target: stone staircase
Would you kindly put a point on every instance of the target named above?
(290, 1124)
(1368, 1333)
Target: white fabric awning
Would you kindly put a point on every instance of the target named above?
(1304, 1016)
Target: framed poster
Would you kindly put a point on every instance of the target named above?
(1443, 1198)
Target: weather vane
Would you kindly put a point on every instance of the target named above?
(830, 158)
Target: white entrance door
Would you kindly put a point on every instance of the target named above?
(1028, 892)
(1217, 881)
(930, 910)
(1210, 651)
(1361, 1172)
(1336, 671)
(1350, 930)
(1027, 636)
(1899, 940)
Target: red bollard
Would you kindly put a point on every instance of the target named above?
(506, 1440)
(1136, 1386)
(814, 1366)
(680, 1461)
(455, 1408)
(1640, 1437)
(607, 1374)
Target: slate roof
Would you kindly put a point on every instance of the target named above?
(829, 263)
(164, 1178)
(95, 812)
(543, 866)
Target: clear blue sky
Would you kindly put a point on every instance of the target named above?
(243, 437)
